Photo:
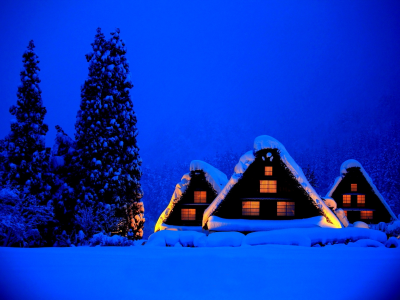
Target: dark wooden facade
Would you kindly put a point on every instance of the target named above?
(356, 210)
(197, 183)
(248, 189)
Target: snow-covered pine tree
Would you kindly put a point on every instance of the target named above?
(27, 165)
(106, 159)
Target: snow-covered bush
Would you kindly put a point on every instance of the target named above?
(225, 239)
(106, 240)
(21, 218)
(171, 238)
(392, 242)
(277, 237)
(366, 243)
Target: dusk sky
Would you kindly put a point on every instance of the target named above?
(212, 75)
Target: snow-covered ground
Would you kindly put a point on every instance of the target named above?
(258, 272)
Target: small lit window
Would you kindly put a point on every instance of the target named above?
(188, 214)
(267, 186)
(346, 200)
(361, 200)
(285, 208)
(251, 208)
(354, 187)
(345, 213)
(366, 215)
(200, 197)
(268, 171)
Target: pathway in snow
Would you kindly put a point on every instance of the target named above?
(260, 272)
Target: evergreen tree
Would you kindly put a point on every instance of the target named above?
(27, 159)
(106, 160)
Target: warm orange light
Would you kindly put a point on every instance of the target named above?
(346, 200)
(250, 208)
(285, 208)
(366, 215)
(361, 200)
(200, 197)
(345, 213)
(267, 186)
(354, 187)
(188, 214)
(268, 171)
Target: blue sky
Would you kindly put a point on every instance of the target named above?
(211, 75)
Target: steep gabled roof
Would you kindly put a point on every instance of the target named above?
(214, 177)
(352, 163)
(267, 142)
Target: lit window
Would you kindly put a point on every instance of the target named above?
(285, 208)
(250, 208)
(200, 197)
(366, 215)
(354, 187)
(267, 186)
(346, 200)
(268, 171)
(188, 214)
(361, 200)
(345, 213)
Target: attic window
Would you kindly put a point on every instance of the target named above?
(346, 200)
(200, 197)
(285, 208)
(267, 186)
(354, 187)
(366, 215)
(250, 208)
(188, 214)
(268, 171)
(361, 200)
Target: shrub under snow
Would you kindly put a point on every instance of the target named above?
(105, 240)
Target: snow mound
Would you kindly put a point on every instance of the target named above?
(225, 239)
(360, 224)
(220, 224)
(276, 238)
(215, 177)
(330, 202)
(171, 238)
(392, 242)
(101, 239)
(352, 163)
(267, 142)
(366, 243)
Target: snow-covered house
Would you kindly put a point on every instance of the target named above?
(267, 191)
(191, 197)
(356, 194)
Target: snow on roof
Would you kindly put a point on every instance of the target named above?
(214, 177)
(352, 163)
(267, 142)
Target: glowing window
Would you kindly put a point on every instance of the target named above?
(200, 197)
(354, 187)
(345, 213)
(267, 186)
(251, 208)
(366, 215)
(361, 200)
(346, 200)
(285, 208)
(188, 214)
(268, 171)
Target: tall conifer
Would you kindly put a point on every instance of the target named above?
(27, 166)
(107, 160)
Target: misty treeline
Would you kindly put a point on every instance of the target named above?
(82, 190)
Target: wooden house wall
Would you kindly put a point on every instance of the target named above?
(248, 189)
(198, 182)
(372, 202)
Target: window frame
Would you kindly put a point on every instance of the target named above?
(268, 186)
(189, 214)
(287, 206)
(345, 203)
(353, 187)
(268, 171)
(368, 215)
(200, 199)
(360, 200)
(253, 210)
